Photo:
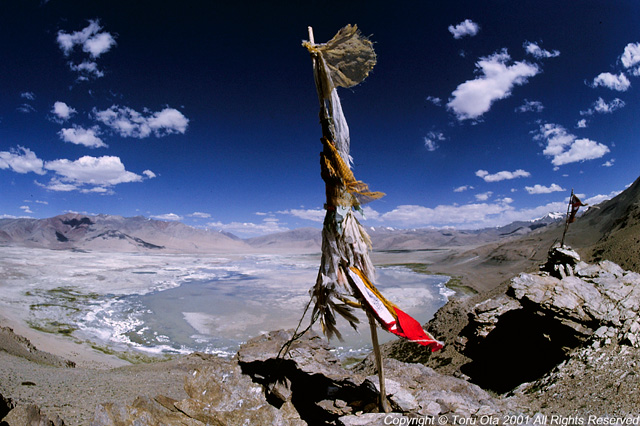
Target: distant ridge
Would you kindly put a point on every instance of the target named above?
(114, 233)
(117, 233)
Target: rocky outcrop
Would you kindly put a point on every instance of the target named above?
(308, 385)
(27, 415)
(543, 317)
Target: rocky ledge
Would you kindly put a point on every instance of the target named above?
(572, 322)
(306, 386)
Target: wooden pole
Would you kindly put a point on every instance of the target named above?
(327, 133)
(384, 404)
(566, 220)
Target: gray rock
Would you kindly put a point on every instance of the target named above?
(29, 415)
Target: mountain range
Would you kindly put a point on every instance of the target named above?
(116, 233)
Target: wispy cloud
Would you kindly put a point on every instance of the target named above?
(315, 215)
(26, 108)
(609, 163)
(581, 124)
(473, 98)
(538, 52)
(434, 100)
(503, 175)
(30, 96)
(128, 122)
(540, 189)
(269, 225)
(530, 106)
(618, 82)
(80, 136)
(430, 141)
(464, 28)
(467, 216)
(200, 215)
(168, 216)
(602, 107)
(484, 196)
(462, 188)
(564, 147)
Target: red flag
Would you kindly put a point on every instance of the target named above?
(575, 206)
(390, 317)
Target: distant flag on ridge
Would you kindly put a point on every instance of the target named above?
(572, 210)
(575, 206)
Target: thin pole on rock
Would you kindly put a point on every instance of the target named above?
(384, 404)
(325, 121)
(566, 221)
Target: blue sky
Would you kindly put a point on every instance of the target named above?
(476, 114)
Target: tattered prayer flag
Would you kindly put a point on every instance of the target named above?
(575, 206)
(392, 318)
(346, 272)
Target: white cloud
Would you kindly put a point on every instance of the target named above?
(269, 225)
(463, 188)
(484, 196)
(21, 160)
(631, 57)
(93, 41)
(503, 175)
(538, 52)
(26, 209)
(530, 106)
(81, 136)
(315, 215)
(618, 82)
(540, 189)
(473, 98)
(168, 216)
(96, 171)
(200, 215)
(62, 111)
(565, 148)
(430, 141)
(149, 174)
(597, 199)
(582, 124)
(30, 96)
(130, 123)
(464, 28)
(609, 163)
(90, 38)
(468, 216)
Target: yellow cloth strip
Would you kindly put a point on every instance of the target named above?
(335, 167)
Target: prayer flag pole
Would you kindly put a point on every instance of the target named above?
(566, 219)
(572, 210)
(346, 271)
